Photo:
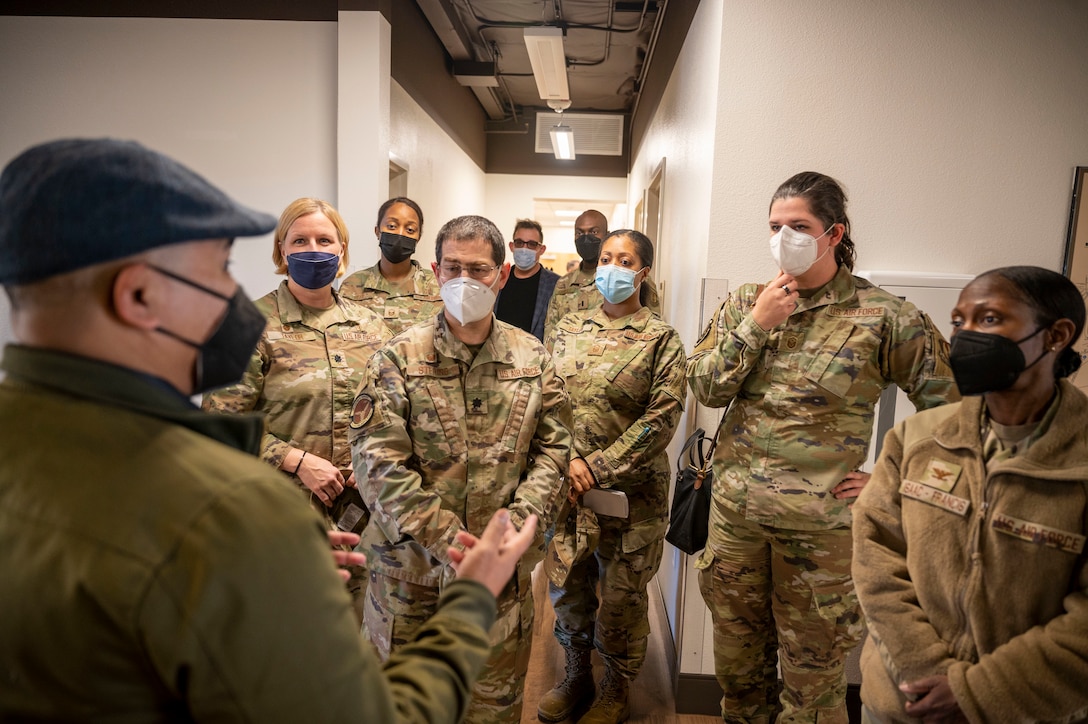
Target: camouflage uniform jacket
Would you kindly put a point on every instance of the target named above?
(576, 291)
(399, 308)
(801, 397)
(625, 379)
(443, 438)
(304, 377)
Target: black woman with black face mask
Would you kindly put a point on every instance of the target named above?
(307, 365)
(398, 289)
(969, 540)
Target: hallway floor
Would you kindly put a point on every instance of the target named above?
(652, 700)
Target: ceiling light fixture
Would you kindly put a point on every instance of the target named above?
(563, 142)
(562, 135)
(545, 46)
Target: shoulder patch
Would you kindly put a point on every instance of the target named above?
(362, 409)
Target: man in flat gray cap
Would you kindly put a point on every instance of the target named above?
(152, 569)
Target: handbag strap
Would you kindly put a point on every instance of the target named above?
(696, 437)
(705, 454)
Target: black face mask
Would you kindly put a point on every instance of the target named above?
(396, 248)
(588, 247)
(984, 362)
(224, 356)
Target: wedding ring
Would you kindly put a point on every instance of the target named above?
(786, 288)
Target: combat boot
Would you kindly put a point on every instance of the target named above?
(575, 689)
(611, 705)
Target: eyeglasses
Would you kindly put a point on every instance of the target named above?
(476, 271)
(531, 245)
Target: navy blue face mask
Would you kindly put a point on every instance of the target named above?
(313, 269)
(984, 362)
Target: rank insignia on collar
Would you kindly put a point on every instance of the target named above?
(941, 474)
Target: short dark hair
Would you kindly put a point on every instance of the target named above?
(827, 201)
(1053, 297)
(400, 200)
(529, 224)
(470, 228)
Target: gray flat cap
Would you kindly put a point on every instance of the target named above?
(68, 204)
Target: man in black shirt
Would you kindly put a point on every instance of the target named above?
(523, 302)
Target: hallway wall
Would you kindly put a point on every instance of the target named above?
(249, 104)
(955, 127)
(442, 178)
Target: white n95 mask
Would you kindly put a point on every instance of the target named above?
(795, 251)
(467, 299)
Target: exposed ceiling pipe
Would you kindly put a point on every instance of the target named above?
(650, 46)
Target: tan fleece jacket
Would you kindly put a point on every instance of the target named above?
(974, 573)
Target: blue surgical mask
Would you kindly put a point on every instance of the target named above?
(313, 269)
(524, 259)
(615, 283)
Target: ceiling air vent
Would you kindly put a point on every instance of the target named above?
(595, 134)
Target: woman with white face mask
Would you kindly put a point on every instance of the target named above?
(800, 363)
(624, 371)
(307, 365)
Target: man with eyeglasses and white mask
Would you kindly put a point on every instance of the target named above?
(523, 302)
(458, 417)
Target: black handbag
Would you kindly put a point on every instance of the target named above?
(691, 500)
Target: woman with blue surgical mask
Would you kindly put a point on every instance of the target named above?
(307, 365)
(623, 368)
(798, 364)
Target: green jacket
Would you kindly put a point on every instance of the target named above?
(801, 396)
(153, 570)
(978, 571)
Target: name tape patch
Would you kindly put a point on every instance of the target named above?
(516, 372)
(1039, 534)
(941, 499)
(432, 371)
(858, 312)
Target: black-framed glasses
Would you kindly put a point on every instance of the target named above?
(531, 245)
(476, 271)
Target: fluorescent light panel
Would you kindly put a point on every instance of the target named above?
(545, 46)
(563, 142)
